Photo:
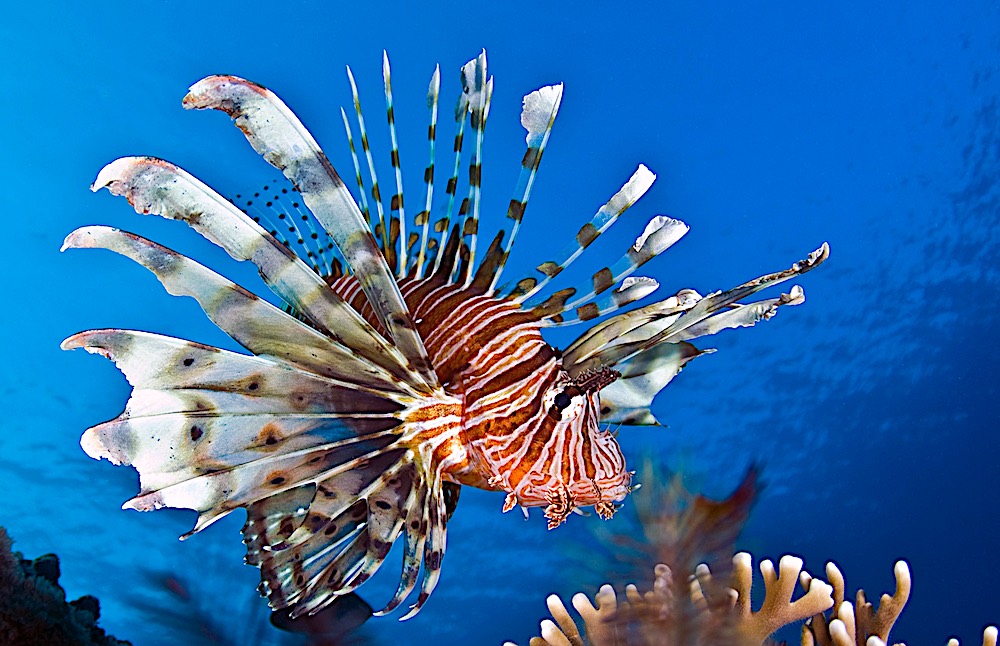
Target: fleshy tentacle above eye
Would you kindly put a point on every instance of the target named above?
(277, 134)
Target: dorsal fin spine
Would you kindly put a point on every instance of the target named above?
(479, 113)
(376, 196)
(533, 156)
(357, 169)
(433, 91)
(396, 204)
(461, 110)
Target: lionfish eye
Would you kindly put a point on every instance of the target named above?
(561, 401)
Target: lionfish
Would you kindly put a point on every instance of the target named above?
(399, 368)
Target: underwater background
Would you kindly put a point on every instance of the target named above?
(874, 409)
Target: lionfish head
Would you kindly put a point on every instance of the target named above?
(587, 466)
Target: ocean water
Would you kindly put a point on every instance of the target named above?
(873, 408)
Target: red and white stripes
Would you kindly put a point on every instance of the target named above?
(525, 428)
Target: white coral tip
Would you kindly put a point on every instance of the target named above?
(551, 632)
(902, 572)
(582, 603)
(832, 570)
(823, 588)
(838, 633)
(791, 564)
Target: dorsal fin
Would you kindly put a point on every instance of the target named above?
(479, 88)
(275, 132)
(442, 226)
(380, 227)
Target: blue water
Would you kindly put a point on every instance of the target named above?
(873, 407)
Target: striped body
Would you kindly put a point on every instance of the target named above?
(490, 356)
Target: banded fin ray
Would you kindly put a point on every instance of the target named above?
(414, 541)
(634, 188)
(277, 134)
(251, 321)
(669, 329)
(479, 89)
(648, 371)
(435, 541)
(423, 219)
(661, 314)
(698, 320)
(660, 234)
(538, 114)
(443, 225)
(160, 188)
(649, 346)
(357, 169)
(632, 289)
(342, 540)
(382, 226)
(396, 207)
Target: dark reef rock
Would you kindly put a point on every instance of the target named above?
(33, 607)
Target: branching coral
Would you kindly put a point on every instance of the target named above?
(721, 614)
(857, 624)
(778, 608)
(989, 638)
(647, 619)
(33, 607)
(680, 529)
(712, 606)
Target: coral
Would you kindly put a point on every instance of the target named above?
(989, 638)
(646, 618)
(711, 605)
(857, 624)
(723, 614)
(33, 607)
(778, 608)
